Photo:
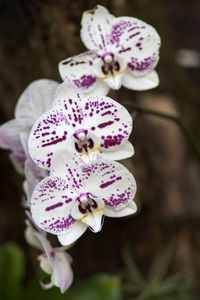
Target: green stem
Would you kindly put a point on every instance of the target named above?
(185, 130)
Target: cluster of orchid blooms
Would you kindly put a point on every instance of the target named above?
(66, 138)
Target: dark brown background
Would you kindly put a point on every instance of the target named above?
(34, 36)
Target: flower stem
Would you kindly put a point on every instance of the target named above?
(185, 130)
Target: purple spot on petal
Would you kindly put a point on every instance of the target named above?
(103, 125)
(106, 184)
(59, 204)
(85, 81)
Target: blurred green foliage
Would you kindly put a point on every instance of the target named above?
(98, 287)
(11, 272)
(158, 284)
(12, 267)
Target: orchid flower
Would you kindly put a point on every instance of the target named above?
(90, 126)
(35, 100)
(122, 51)
(77, 196)
(54, 261)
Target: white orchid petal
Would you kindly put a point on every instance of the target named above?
(50, 205)
(126, 211)
(62, 275)
(101, 88)
(121, 152)
(141, 67)
(64, 93)
(95, 28)
(18, 159)
(51, 132)
(68, 166)
(36, 99)
(46, 247)
(45, 265)
(10, 134)
(108, 120)
(133, 38)
(31, 237)
(78, 72)
(111, 182)
(149, 81)
(72, 235)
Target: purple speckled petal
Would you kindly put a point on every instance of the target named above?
(78, 71)
(51, 202)
(52, 132)
(137, 42)
(120, 152)
(33, 175)
(72, 235)
(142, 83)
(107, 119)
(36, 99)
(95, 28)
(141, 67)
(67, 165)
(126, 211)
(111, 182)
(65, 92)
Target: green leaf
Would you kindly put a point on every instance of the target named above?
(11, 271)
(98, 287)
(33, 291)
(132, 269)
(161, 263)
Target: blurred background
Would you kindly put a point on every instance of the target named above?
(154, 254)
